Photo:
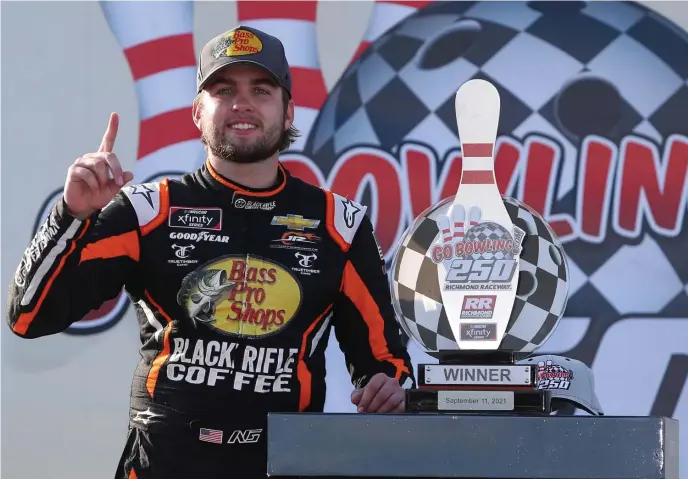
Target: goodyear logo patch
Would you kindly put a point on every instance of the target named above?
(241, 296)
(237, 43)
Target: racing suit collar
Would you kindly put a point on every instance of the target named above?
(220, 182)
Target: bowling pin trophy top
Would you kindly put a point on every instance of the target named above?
(479, 281)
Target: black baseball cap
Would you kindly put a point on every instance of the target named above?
(244, 45)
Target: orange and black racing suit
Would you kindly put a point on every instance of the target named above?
(236, 291)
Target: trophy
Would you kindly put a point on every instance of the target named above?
(479, 281)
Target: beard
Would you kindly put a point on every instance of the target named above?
(260, 150)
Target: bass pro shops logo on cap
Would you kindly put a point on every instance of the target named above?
(237, 43)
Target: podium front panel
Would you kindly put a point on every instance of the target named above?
(470, 446)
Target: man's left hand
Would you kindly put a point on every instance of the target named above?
(381, 394)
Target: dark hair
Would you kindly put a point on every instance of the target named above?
(288, 136)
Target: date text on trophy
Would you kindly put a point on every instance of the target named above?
(475, 400)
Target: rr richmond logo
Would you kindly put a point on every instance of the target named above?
(478, 307)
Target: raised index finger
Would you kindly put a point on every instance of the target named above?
(108, 141)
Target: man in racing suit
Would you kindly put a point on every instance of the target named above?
(238, 272)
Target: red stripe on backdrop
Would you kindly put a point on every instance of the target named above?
(361, 48)
(161, 54)
(409, 3)
(166, 129)
(258, 10)
(308, 87)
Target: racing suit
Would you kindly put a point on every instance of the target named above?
(236, 292)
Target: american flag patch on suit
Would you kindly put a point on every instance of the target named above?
(210, 435)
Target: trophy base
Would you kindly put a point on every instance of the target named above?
(479, 401)
(483, 382)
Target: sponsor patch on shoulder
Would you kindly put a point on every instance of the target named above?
(347, 217)
(145, 198)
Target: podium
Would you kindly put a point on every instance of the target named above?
(472, 446)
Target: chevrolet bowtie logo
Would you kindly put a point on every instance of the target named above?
(294, 222)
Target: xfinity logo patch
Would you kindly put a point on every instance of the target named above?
(195, 218)
(244, 204)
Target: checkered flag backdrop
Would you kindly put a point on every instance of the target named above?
(540, 298)
(552, 81)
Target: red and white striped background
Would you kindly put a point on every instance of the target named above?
(157, 41)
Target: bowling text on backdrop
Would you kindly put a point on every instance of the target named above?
(624, 188)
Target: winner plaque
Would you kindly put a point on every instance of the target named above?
(479, 281)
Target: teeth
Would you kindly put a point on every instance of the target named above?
(243, 126)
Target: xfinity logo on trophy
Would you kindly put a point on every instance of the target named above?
(478, 331)
(195, 218)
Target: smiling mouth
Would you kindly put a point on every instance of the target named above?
(243, 126)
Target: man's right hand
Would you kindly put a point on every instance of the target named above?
(95, 178)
